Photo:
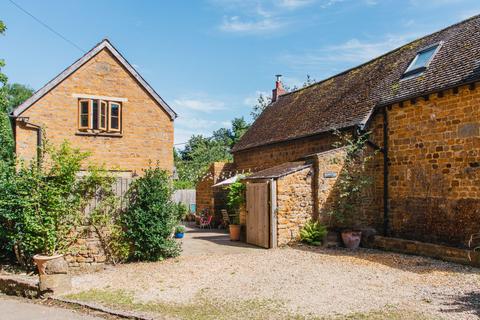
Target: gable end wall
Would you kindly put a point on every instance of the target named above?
(147, 129)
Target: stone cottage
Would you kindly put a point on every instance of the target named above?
(103, 105)
(100, 104)
(421, 105)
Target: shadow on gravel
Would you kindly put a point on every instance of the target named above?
(468, 302)
(410, 263)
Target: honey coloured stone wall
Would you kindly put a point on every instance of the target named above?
(210, 198)
(147, 130)
(294, 204)
(434, 164)
(329, 171)
(87, 253)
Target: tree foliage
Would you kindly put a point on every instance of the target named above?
(353, 178)
(11, 95)
(199, 152)
(235, 199)
(16, 94)
(151, 217)
(41, 205)
(6, 137)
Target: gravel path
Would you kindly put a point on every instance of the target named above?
(304, 280)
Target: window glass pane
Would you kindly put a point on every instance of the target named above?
(422, 59)
(84, 107)
(95, 114)
(103, 115)
(115, 108)
(114, 123)
(84, 120)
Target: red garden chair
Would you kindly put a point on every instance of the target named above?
(206, 222)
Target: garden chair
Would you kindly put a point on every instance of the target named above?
(206, 222)
(225, 218)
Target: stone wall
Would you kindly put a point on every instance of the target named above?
(213, 198)
(434, 164)
(294, 204)
(328, 172)
(457, 255)
(147, 130)
(87, 253)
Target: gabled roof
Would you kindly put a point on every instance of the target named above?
(105, 44)
(349, 98)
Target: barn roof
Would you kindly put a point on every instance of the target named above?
(349, 98)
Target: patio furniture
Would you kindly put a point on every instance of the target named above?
(206, 222)
(225, 218)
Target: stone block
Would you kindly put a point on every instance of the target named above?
(55, 284)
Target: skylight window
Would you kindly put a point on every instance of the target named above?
(421, 61)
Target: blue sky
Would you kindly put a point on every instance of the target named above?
(210, 59)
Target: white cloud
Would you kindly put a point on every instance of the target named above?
(236, 24)
(353, 51)
(252, 99)
(294, 4)
(203, 105)
(187, 126)
(263, 16)
(469, 13)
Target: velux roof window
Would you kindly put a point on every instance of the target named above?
(421, 61)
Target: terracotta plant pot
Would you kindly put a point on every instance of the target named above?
(234, 232)
(351, 239)
(41, 261)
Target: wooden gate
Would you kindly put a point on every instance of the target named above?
(258, 213)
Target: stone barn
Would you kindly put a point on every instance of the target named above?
(420, 104)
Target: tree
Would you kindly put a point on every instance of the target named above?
(6, 136)
(193, 161)
(16, 94)
(262, 103)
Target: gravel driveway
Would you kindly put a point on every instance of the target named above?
(303, 281)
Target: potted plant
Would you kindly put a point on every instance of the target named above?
(235, 227)
(235, 199)
(179, 232)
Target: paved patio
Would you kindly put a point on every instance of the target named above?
(199, 242)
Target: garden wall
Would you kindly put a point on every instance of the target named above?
(87, 253)
(210, 198)
(294, 204)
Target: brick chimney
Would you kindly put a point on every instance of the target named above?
(279, 90)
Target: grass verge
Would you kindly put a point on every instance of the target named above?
(204, 308)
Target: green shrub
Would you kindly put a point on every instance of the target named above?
(235, 199)
(151, 217)
(313, 233)
(41, 206)
(182, 211)
(180, 229)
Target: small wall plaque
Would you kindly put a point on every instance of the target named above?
(329, 175)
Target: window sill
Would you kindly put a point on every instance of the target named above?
(99, 134)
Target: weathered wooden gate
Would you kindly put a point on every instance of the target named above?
(258, 214)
